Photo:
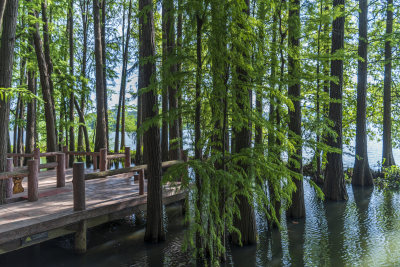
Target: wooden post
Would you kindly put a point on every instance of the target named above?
(103, 159)
(15, 159)
(9, 182)
(36, 154)
(78, 182)
(79, 205)
(95, 162)
(65, 150)
(127, 157)
(141, 182)
(33, 183)
(61, 170)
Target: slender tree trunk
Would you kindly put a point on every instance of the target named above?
(297, 209)
(362, 173)
(71, 70)
(104, 58)
(164, 97)
(45, 81)
(197, 122)
(139, 136)
(387, 155)
(15, 130)
(334, 185)
(154, 225)
(46, 45)
(174, 145)
(101, 125)
(246, 224)
(179, 69)
(6, 69)
(31, 114)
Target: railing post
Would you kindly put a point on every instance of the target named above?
(141, 182)
(95, 162)
(9, 182)
(79, 205)
(65, 151)
(103, 159)
(61, 170)
(33, 183)
(36, 154)
(15, 159)
(127, 157)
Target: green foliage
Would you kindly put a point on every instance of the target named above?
(390, 179)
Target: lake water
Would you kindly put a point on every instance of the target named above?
(364, 231)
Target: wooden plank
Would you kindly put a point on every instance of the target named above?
(104, 174)
(14, 174)
(116, 156)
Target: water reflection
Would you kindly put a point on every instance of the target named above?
(364, 231)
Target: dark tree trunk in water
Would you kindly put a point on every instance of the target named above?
(101, 126)
(71, 70)
(335, 185)
(297, 209)
(6, 68)
(164, 96)
(45, 81)
(362, 173)
(154, 225)
(246, 224)
(387, 155)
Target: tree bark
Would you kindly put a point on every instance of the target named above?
(362, 173)
(164, 96)
(387, 155)
(297, 209)
(246, 224)
(2, 8)
(139, 136)
(71, 70)
(334, 185)
(104, 57)
(154, 225)
(6, 69)
(179, 69)
(101, 125)
(45, 81)
(31, 114)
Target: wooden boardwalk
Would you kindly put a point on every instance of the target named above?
(24, 223)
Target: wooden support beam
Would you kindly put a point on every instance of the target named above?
(36, 154)
(127, 157)
(79, 205)
(60, 170)
(33, 177)
(9, 182)
(95, 162)
(102, 174)
(103, 159)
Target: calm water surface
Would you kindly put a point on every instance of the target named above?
(364, 231)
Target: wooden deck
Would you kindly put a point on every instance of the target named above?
(24, 223)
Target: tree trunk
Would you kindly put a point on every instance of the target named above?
(334, 185)
(246, 224)
(362, 173)
(154, 225)
(387, 155)
(31, 114)
(101, 126)
(104, 57)
(297, 209)
(164, 97)
(45, 81)
(139, 136)
(71, 69)
(6, 69)
(179, 69)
